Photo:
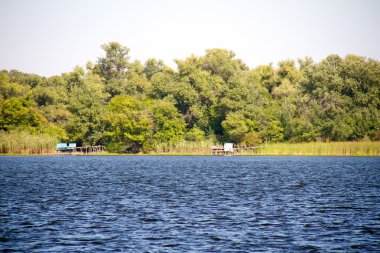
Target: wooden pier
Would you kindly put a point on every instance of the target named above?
(228, 150)
(90, 149)
(245, 148)
(71, 148)
(217, 150)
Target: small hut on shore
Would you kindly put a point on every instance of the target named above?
(66, 147)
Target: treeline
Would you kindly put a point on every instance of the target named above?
(133, 107)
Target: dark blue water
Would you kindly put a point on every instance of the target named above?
(189, 204)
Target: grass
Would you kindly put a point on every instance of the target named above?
(184, 148)
(365, 148)
(25, 143)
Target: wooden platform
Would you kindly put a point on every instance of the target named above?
(219, 150)
(83, 150)
(91, 149)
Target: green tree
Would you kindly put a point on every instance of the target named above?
(115, 62)
(16, 112)
(131, 123)
(153, 66)
(195, 134)
(221, 62)
(74, 78)
(169, 126)
(343, 91)
(29, 80)
(236, 126)
(132, 106)
(167, 84)
(10, 89)
(87, 105)
(266, 76)
(137, 82)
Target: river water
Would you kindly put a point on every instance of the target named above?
(189, 204)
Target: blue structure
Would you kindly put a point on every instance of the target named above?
(66, 147)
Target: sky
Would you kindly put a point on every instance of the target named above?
(49, 37)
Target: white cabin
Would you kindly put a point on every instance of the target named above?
(228, 147)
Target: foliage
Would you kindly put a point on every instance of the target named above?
(195, 134)
(236, 126)
(135, 107)
(169, 126)
(115, 63)
(87, 105)
(131, 122)
(16, 112)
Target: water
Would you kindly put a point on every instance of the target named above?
(189, 204)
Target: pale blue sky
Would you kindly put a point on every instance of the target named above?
(49, 37)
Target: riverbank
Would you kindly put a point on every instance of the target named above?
(364, 148)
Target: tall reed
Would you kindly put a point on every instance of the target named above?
(365, 148)
(184, 148)
(25, 143)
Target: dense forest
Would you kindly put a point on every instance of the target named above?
(134, 107)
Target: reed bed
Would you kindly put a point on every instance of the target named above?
(25, 143)
(184, 148)
(365, 148)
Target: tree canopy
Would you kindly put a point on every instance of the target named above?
(133, 106)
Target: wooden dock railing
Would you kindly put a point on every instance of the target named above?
(219, 150)
(90, 149)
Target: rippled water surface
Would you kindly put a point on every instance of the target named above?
(182, 204)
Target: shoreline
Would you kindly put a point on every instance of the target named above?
(337, 149)
(194, 155)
